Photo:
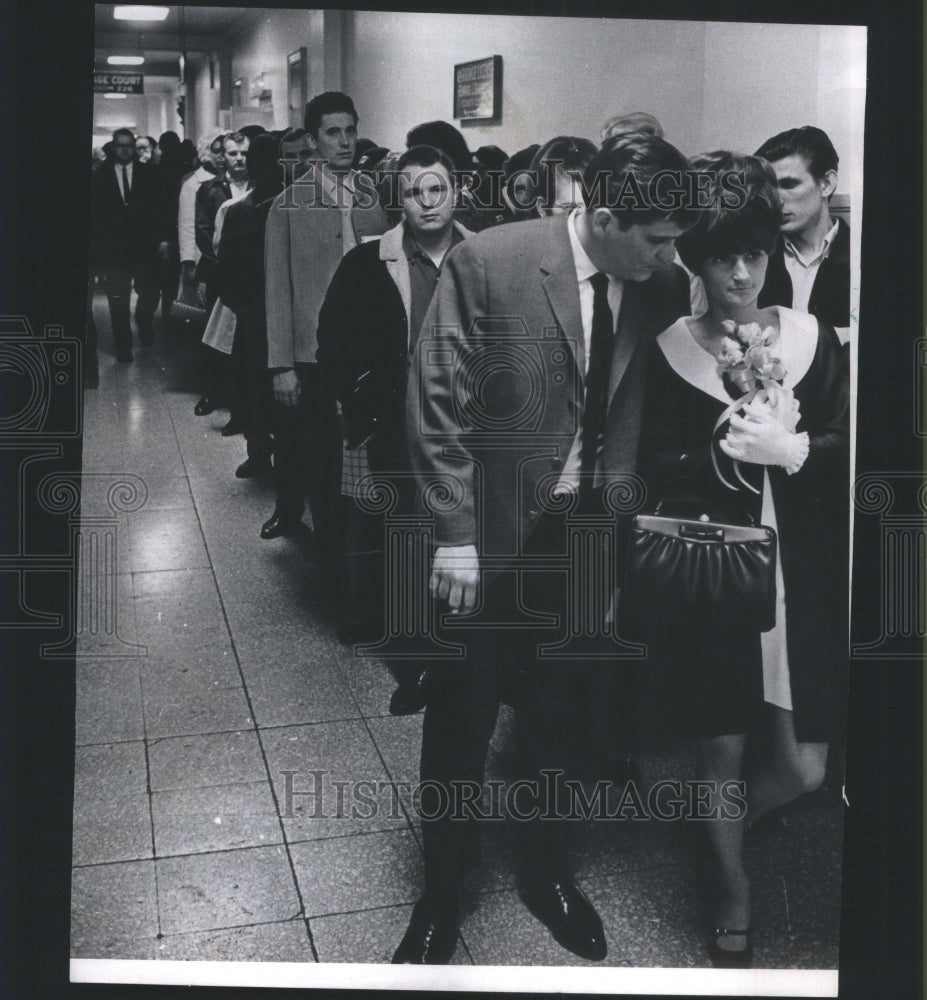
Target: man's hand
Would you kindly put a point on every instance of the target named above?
(455, 576)
(286, 388)
(164, 250)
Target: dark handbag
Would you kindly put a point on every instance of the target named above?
(190, 303)
(697, 574)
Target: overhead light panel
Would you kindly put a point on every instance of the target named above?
(137, 13)
(125, 60)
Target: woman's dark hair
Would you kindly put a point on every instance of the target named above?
(740, 208)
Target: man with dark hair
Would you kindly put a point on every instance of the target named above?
(128, 233)
(525, 400)
(368, 326)
(810, 268)
(320, 217)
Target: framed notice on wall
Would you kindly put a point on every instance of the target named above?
(297, 84)
(478, 90)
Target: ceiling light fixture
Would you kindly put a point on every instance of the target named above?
(136, 13)
(125, 60)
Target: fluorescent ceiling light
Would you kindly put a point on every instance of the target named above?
(133, 13)
(125, 60)
(115, 97)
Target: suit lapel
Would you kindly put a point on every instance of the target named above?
(562, 290)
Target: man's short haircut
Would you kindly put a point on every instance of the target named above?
(812, 144)
(624, 168)
(636, 121)
(124, 131)
(739, 217)
(442, 135)
(235, 137)
(251, 132)
(426, 156)
(568, 155)
(332, 102)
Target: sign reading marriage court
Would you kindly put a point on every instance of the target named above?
(478, 90)
(118, 83)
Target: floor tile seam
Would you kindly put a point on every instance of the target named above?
(248, 783)
(349, 836)
(408, 818)
(298, 919)
(253, 717)
(149, 796)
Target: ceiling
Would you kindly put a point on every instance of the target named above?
(205, 29)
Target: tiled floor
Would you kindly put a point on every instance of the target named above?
(196, 833)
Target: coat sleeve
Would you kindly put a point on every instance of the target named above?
(186, 220)
(828, 460)
(204, 220)
(435, 433)
(281, 350)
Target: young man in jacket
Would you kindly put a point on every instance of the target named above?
(810, 268)
(369, 325)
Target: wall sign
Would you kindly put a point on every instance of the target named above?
(478, 90)
(118, 83)
(297, 86)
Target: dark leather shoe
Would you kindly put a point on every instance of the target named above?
(232, 428)
(205, 405)
(252, 467)
(280, 523)
(409, 697)
(430, 939)
(569, 916)
(124, 357)
(146, 335)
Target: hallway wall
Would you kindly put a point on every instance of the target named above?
(711, 84)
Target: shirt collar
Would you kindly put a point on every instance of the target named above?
(585, 269)
(792, 250)
(411, 248)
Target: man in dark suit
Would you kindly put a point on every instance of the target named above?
(128, 234)
(525, 399)
(810, 268)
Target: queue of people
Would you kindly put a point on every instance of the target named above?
(386, 319)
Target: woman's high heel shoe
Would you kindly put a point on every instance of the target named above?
(727, 958)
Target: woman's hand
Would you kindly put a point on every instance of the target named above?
(779, 402)
(758, 437)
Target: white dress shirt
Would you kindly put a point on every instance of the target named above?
(803, 270)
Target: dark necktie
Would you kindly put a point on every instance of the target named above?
(125, 184)
(600, 363)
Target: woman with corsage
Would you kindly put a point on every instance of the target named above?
(747, 421)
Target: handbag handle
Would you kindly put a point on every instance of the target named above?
(695, 530)
(706, 513)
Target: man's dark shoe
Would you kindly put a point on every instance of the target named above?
(146, 335)
(409, 697)
(252, 467)
(280, 523)
(232, 428)
(561, 906)
(205, 405)
(124, 357)
(431, 936)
